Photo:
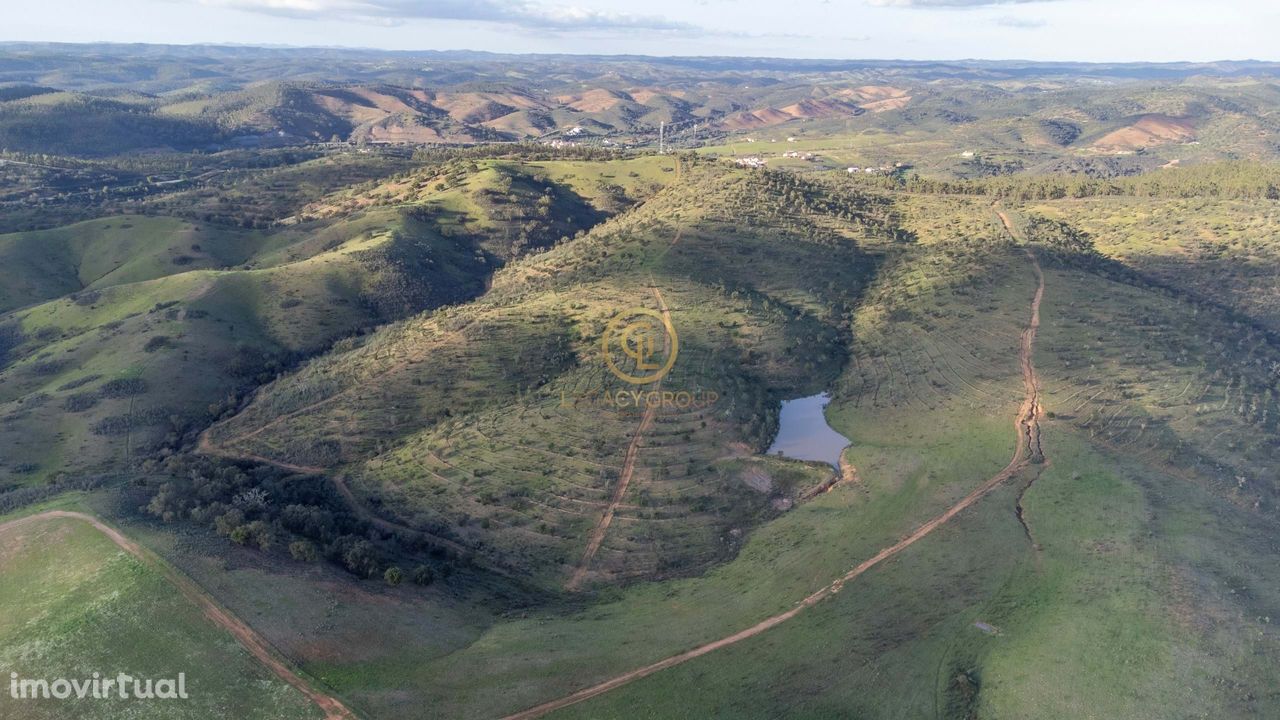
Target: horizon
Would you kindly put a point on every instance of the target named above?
(616, 56)
(1146, 31)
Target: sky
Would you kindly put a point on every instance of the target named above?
(1083, 30)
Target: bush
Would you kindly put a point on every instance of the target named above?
(50, 367)
(79, 402)
(155, 343)
(239, 534)
(393, 576)
(304, 550)
(123, 388)
(361, 558)
(78, 382)
(422, 575)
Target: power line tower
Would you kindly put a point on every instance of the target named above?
(662, 137)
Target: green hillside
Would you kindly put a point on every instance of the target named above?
(79, 607)
(1103, 577)
(474, 401)
(469, 429)
(97, 254)
(115, 370)
(187, 316)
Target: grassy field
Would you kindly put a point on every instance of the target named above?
(76, 604)
(974, 622)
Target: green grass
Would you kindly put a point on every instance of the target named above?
(76, 604)
(917, 453)
(97, 254)
(1095, 624)
(1100, 621)
(1143, 585)
(1223, 250)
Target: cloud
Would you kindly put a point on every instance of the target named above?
(949, 3)
(520, 13)
(1020, 23)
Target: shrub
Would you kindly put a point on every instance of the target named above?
(361, 558)
(304, 550)
(50, 367)
(79, 402)
(393, 576)
(123, 388)
(78, 382)
(155, 343)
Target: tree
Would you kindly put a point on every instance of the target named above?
(361, 558)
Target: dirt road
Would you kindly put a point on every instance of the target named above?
(1027, 426)
(247, 637)
(1032, 437)
(624, 478)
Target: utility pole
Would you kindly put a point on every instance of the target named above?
(662, 137)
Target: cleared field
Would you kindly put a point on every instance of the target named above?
(76, 603)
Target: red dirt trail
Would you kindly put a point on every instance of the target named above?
(624, 478)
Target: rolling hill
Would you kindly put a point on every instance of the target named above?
(475, 400)
(123, 334)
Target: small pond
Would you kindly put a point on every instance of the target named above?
(803, 432)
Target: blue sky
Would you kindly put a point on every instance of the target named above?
(1094, 30)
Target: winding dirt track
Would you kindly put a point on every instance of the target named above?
(247, 637)
(624, 478)
(1028, 450)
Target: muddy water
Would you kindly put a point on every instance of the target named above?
(803, 432)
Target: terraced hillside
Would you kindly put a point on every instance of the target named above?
(498, 425)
